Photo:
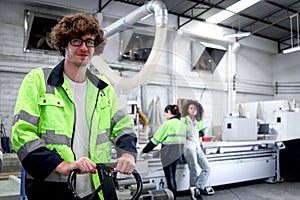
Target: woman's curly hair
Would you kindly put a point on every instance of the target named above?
(200, 110)
(75, 26)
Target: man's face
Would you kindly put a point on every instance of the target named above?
(80, 55)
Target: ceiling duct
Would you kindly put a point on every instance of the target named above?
(160, 12)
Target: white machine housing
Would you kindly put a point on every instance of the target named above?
(288, 125)
(239, 129)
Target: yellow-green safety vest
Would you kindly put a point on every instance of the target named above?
(44, 116)
(200, 124)
(172, 135)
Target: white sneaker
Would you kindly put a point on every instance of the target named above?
(192, 192)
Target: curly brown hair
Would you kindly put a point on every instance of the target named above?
(75, 26)
(199, 107)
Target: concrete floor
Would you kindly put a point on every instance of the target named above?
(255, 191)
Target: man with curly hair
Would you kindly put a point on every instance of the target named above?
(67, 118)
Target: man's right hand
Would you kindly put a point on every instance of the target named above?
(84, 164)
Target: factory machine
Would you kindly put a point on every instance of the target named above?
(240, 156)
(287, 125)
(231, 162)
(239, 129)
(237, 158)
(234, 162)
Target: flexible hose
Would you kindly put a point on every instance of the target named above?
(149, 67)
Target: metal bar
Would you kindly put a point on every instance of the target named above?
(283, 7)
(158, 8)
(195, 17)
(280, 8)
(243, 15)
(291, 26)
(298, 29)
(101, 8)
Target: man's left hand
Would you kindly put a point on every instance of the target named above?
(126, 164)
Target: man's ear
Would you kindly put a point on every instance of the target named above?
(100, 47)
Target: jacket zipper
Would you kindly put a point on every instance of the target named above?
(72, 139)
(90, 128)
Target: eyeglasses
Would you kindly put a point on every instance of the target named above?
(78, 42)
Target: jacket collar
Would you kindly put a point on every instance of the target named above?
(56, 77)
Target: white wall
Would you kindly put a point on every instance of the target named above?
(286, 68)
(253, 67)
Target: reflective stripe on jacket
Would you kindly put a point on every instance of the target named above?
(44, 116)
(172, 135)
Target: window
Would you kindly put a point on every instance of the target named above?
(135, 46)
(37, 27)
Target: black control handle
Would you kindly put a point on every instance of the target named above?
(105, 173)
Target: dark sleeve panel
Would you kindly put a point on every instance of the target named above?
(149, 147)
(126, 144)
(41, 162)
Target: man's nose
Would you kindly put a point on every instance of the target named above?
(83, 46)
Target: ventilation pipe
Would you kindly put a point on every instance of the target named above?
(160, 12)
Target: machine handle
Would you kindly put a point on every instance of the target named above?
(107, 186)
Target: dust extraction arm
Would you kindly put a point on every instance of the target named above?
(160, 12)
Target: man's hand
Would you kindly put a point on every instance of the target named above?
(126, 164)
(84, 164)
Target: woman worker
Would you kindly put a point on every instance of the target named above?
(193, 152)
(172, 136)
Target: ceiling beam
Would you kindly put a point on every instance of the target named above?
(196, 17)
(102, 7)
(283, 7)
(276, 5)
(246, 16)
(210, 5)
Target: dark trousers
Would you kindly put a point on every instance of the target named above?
(42, 190)
(38, 189)
(170, 173)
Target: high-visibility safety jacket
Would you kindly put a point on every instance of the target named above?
(44, 116)
(200, 124)
(171, 134)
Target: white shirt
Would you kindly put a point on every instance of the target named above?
(192, 137)
(84, 184)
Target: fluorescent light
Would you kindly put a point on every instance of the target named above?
(241, 5)
(231, 10)
(290, 50)
(238, 34)
(219, 17)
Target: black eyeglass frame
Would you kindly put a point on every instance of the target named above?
(82, 41)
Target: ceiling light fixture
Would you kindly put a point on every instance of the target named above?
(231, 10)
(290, 50)
(238, 34)
(296, 48)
